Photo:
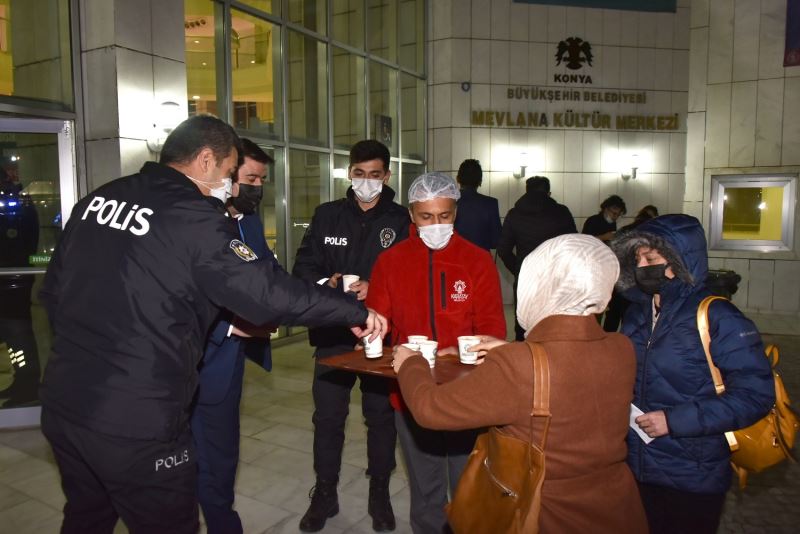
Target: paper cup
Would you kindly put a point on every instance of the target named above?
(348, 279)
(373, 349)
(464, 355)
(428, 350)
(417, 339)
(412, 346)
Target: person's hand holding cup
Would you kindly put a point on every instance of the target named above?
(403, 352)
(428, 350)
(466, 354)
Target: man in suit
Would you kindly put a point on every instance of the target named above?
(215, 420)
(478, 218)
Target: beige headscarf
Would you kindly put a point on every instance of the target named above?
(571, 274)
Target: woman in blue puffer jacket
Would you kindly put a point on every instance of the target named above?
(684, 473)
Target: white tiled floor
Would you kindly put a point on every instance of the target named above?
(275, 468)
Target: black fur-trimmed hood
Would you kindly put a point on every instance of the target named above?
(680, 239)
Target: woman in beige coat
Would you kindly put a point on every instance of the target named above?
(588, 486)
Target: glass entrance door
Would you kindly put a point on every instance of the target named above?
(37, 192)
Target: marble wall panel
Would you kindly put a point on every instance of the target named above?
(720, 42)
(481, 19)
(744, 97)
(745, 40)
(786, 287)
(718, 125)
(769, 122)
(760, 286)
(790, 146)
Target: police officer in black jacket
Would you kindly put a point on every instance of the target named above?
(345, 237)
(140, 274)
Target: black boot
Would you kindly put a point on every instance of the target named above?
(380, 507)
(324, 504)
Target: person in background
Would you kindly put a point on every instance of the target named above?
(684, 473)
(215, 418)
(144, 266)
(603, 225)
(645, 214)
(479, 219)
(436, 284)
(587, 486)
(345, 237)
(19, 239)
(534, 219)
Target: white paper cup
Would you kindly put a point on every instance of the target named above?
(348, 279)
(464, 355)
(412, 346)
(373, 349)
(428, 350)
(417, 339)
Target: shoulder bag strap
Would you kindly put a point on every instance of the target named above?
(541, 389)
(705, 337)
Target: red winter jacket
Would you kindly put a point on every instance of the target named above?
(441, 294)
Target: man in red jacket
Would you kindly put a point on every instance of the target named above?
(437, 284)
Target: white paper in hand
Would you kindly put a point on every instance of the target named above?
(636, 412)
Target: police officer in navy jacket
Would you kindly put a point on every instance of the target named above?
(142, 270)
(215, 419)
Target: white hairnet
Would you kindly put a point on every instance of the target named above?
(433, 185)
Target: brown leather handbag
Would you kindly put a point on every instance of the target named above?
(500, 490)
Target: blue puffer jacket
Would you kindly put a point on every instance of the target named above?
(672, 372)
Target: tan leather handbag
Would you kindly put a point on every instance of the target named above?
(769, 440)
(500, 490)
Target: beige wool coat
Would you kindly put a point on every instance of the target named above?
(588, 486)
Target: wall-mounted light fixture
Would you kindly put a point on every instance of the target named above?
(633, 164)
(340, 173)
(168, 115)
(522, 163)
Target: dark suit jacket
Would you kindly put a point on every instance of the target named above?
(478, 219)
(219, 360)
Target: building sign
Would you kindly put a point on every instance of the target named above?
(669, 6)
(572, 119)
(573, 53)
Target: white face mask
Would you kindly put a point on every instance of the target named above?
(436, 236)
(222, 193)
(367, 189)
(608, 219)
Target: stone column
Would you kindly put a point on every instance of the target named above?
(132, 53)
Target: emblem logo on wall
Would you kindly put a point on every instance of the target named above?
(574, 51)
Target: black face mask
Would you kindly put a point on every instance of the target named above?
(651, 278)
(248, 199)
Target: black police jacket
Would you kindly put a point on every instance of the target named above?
(140, 274)
(342, 238)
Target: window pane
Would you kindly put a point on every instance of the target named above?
(413, 119)
(383, 104)
(312, 14)
(349, 125)
(273, 190)
(24, 337)
(269, 6)
(308, 90)
(30, 199)
(410, 173)
(256, 74)
(411, 33)
(348, 22)
(382, 28)
(341, 180)
(201, 63)
(753, 213)
(35, 60)
(308, 188)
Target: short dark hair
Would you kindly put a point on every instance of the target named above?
(470, 173)
(614, 201)
(194, 134)
(537, 184)
(647, 212)
(253, 151)
(367, 150)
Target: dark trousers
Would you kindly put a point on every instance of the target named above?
(331, 391)
(215, 430)
(149, 484)
(670, 511)
(435, 460)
